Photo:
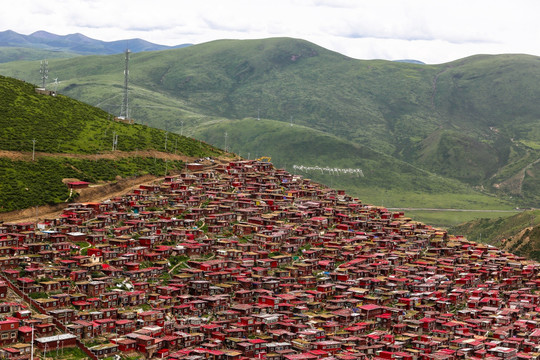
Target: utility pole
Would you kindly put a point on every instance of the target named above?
(33, 149)
(32, 343)
(166, 133)
(44, 71)
(114, 139)
(225, 147)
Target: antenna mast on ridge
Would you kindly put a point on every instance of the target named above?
(44, 71)
(124, 111)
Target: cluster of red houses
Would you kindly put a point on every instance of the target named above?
(248, 261)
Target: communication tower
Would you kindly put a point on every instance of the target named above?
(44, 71)
(124, 111)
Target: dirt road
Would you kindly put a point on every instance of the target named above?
(98, 192)
(95, 193)
(109, 155)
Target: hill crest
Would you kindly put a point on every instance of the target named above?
(77, 43)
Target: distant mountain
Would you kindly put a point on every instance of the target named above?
(77, 43)
(410, 61)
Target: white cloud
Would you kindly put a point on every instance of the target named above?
(427, 30)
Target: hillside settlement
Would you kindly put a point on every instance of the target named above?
(246, 261)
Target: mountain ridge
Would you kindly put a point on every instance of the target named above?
(77, 43)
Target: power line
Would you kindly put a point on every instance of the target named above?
(101, 102)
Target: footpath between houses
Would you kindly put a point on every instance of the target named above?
(65, 338)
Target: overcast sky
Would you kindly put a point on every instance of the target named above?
(432, 31)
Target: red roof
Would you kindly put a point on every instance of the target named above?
(78, 183)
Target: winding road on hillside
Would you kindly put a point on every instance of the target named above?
(108, 155)
(464, 210)
(96, 192)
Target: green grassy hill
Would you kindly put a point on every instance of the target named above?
(473, 120)
(519, 234)
(64, 125)
(8, 54)
(62, 128)
(383, 180)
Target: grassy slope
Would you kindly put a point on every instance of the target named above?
(519, 234)
(386, 181)
(449, 218)
(63, 125)
(8, 54)
(472, 119)
(24, 184)
(491, 112)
